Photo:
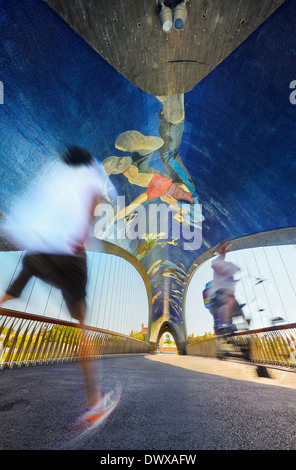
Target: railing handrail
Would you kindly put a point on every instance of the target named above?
(56, 321)
(287, 326)
(30, 339)
(271, 345)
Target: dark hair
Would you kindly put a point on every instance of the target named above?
(74, 155)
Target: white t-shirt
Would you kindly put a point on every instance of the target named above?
(55, 214)
(223, 275)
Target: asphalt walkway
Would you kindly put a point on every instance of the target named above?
(169, 402)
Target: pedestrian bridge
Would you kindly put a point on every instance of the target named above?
(243, 384)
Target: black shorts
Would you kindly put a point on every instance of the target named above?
(65, 272)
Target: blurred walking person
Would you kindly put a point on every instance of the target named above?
(221, 290)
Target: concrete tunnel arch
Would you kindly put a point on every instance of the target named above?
(286, 236)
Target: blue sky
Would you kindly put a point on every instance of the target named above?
(116, 294)
(274, 296)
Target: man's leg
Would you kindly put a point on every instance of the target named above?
(225, 307)
(100, 406)
(18, 285)
(230, 304)
(5, 297)
(77, 310)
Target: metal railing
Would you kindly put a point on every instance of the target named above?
(31, 339)
(273, 345)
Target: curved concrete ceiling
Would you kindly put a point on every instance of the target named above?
(128, 35)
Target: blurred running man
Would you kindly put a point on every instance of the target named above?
(52, 224)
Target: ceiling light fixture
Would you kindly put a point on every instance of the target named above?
(180, 15)
(165, 16)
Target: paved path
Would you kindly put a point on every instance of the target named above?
(169, 402)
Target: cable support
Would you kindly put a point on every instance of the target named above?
(286, 270)
(95, 286)
(29, 297)
(49, 294)
(113, 296)
(126, 301)
(275, 284)
(108, 286)
(263, 287)
(104, 257)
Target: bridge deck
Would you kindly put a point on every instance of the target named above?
(168, 402)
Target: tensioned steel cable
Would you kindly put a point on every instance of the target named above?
(275, 283)
(248, 276)
(118, 297)
(263, 283)
(125, 301)
(104, 257)
(243, 284)
(119, 287)
(132, 295)
(61, 306)
(113, 313)
(135, 294)
(136, 304)
(15, 270)
(124, 310)
(142, 304)
(136, 312)
(49, 294)
(113, 293)
(109, 297)
(30, 295)
(284, 265)
(95, 287)
(254, 293)
(123, 294)
(103, 291)
(89, 269)
(108, 287)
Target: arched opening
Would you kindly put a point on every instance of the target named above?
(116, 298)
(265, 285)
(166, 340)
(167, 344)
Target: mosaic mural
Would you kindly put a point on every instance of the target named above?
(219, 161)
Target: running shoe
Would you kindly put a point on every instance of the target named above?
(96, 416)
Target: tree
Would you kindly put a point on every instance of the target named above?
(140, 336)
(168, 341)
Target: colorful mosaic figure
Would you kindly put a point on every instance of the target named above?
(175, 187)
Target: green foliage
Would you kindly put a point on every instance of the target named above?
(193, 339)
(168, 340)
(62, 331)
(140, 336)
